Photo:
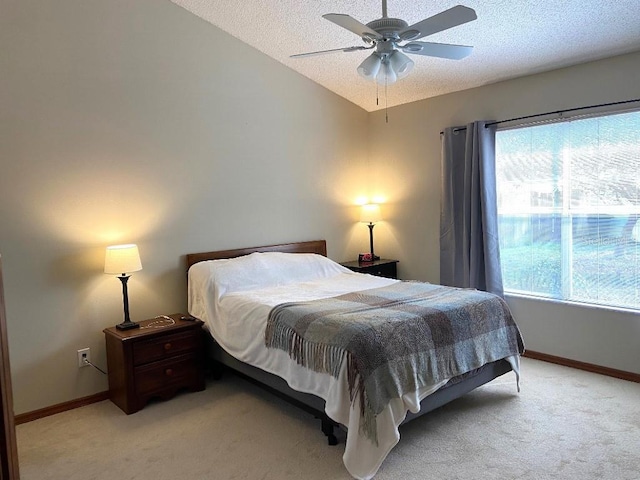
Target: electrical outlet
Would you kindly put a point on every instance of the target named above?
(84, 356)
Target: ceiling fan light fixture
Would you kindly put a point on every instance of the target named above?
(400, 64)
(370, 67)
(386, 75)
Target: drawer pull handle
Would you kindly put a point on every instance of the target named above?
(168, 372)
(167, 346)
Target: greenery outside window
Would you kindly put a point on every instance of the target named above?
(569, 209)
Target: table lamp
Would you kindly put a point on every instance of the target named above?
(122, 260)
(370, 215)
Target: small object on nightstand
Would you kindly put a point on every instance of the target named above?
(161, 357)
(365, 258)
(381, 268)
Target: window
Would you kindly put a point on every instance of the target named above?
(569, 209)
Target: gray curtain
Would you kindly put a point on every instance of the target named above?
(469, 248)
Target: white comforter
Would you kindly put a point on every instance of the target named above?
(235, 311)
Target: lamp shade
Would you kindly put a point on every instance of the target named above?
(370, 213)
(370, 67)
(386, 75)
(400, 63)
(122, 259)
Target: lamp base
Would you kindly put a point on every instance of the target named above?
(127, 325)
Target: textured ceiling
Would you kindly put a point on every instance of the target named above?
(511, 38)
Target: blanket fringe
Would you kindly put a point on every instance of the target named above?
(318, 357)
(323, 358)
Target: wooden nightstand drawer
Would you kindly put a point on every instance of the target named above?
(168, 345)
(158, 376)
(385, 270)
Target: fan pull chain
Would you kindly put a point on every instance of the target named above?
(386, 102)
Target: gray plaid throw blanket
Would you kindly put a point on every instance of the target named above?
(395, 339)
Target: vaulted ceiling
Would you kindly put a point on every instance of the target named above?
(511, 38)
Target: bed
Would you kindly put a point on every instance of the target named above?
(242, 294)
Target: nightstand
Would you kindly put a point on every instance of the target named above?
(155, 360)
(381, 268)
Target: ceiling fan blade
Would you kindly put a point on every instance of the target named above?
(442, 21)
(441, 50)
(353, 25)
(322, 52)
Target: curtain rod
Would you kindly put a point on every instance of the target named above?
(556, 112)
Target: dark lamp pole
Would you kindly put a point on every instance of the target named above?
(127, 324)
(373, 256)
(369, 215)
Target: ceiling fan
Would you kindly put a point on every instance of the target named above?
(387, 35)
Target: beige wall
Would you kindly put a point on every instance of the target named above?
(405, 158)
(126, 122)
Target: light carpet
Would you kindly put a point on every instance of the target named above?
(564, 424)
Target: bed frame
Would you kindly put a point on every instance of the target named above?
(310, 403)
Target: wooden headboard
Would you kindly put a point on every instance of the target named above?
(314, 246)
